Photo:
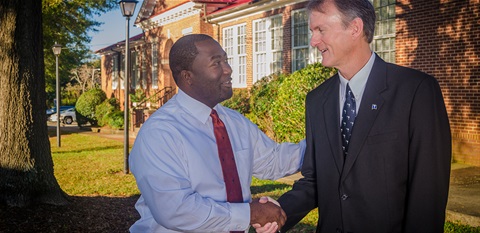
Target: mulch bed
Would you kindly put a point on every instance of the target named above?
(83, 214)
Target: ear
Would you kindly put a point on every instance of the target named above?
(356, 26)
(186, 77)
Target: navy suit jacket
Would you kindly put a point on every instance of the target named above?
(396, 175)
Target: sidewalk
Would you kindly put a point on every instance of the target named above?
(464, 197)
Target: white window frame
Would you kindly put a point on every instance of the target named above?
(311, 55)
(143, 77)
(384, 39)
(235, 45)
(122, 72)
(115, 74)
(154, 66)
(297, 46)
(135, 72)
(264, 49)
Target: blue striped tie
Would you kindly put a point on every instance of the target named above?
(348, 118)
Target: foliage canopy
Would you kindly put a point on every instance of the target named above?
(68, 23)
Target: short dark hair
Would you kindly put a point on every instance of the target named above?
(183, 53)
(351, 9)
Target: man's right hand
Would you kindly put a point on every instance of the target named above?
(263, 213)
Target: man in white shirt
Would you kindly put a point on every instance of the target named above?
(175, 158)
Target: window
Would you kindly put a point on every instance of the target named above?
(384, 39)
(276, 33)
(268, 46)
(154, 66)
(143, 78)
(234, 43)
(300, 44)
(122, 72)
(134, 71)
(315, 54)
(115, 74)
(260, 49)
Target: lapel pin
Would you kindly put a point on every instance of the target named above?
(374, 107)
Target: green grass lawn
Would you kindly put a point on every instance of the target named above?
(88, 165)
(91, 165)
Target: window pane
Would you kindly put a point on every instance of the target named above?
(300, 25)
(384, 38)
(234, 44)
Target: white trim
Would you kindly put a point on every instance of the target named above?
(248, 10)
(187, 31)
(172, 15)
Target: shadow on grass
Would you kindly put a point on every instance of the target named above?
(83, 214)
(100, 148)
(268, 188)
(66, 130)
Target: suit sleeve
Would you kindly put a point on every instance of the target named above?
(429, 160)
(299, 201)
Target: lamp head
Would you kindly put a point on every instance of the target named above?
(57, 49)
(127, 7)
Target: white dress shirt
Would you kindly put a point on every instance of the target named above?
(177, 169)
(357, 84)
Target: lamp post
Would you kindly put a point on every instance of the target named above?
(57, 49)
(128, 8)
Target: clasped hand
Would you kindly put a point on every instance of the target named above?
(266, 212)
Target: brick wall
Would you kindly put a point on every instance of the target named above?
(287, 36)
(442, 38)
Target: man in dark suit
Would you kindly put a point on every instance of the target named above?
(388, 168)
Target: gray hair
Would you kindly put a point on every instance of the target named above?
(351, 9)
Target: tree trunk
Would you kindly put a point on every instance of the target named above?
(26, 165)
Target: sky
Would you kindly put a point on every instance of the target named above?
(113, 28)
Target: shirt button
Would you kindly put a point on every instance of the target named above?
(344, 197)
(239, 227)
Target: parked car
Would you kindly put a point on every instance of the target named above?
(67, 116)
(54, 109)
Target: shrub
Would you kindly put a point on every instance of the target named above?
(288, 109)
(105, 109)
(86, 105)
(116, 119)
(138, 96)
(262, 95)
(239, 101)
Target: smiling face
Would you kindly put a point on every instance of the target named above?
(331, 37)
(209, 80)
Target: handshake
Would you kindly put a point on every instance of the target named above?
(266, 215)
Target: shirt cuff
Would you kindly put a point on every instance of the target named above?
(239, 216)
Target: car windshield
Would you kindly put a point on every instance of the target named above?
(62, 108)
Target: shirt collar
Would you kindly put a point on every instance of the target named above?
(195, 108)
(359, 80)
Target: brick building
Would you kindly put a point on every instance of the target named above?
(261, 37)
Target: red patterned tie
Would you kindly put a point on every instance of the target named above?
(229, 168)
(225, 153)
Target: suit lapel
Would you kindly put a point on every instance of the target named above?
(332, 122)
(371, 105)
